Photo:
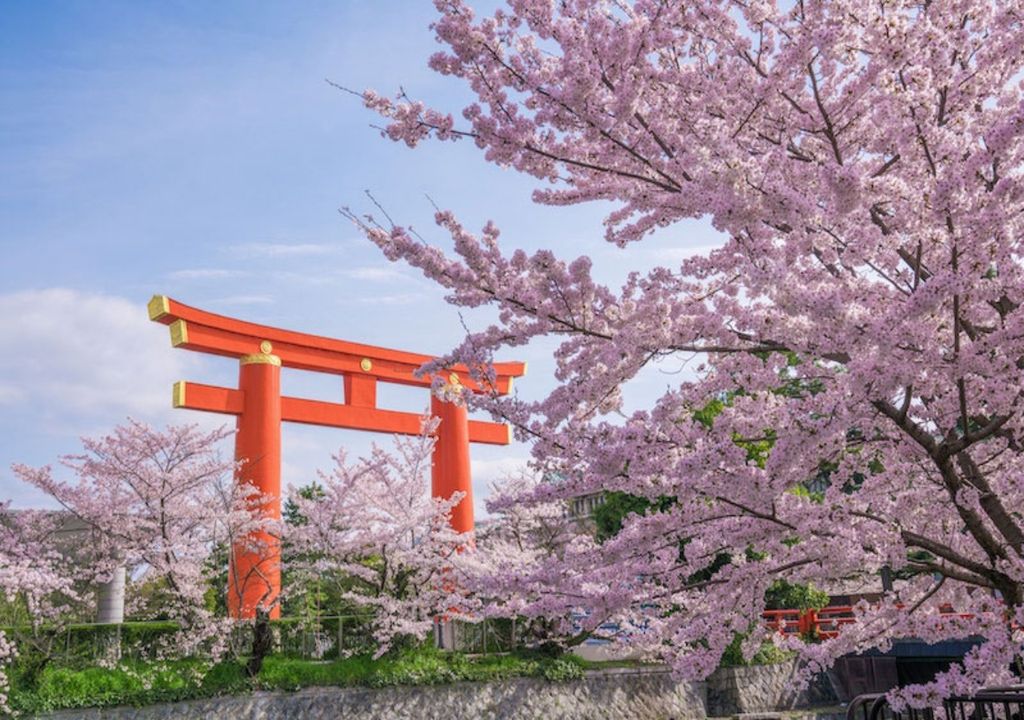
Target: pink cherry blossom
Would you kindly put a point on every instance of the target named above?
(33, 572)
(159, 503)
(863, 163)
(374, 520)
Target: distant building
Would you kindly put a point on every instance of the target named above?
(71, 535)
(582, 507)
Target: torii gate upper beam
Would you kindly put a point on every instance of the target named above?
(195, 329)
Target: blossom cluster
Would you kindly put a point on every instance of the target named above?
(8, 652)
(373, 520)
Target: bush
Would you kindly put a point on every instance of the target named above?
(132, 683)
(562, 669)
(143, 683)
(767, 654)
(423, 665)
(784, 595)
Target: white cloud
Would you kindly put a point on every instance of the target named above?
(676, 255)
(77, 364)
(204, 274)
(486, 472)
(68, 353)
(10, 394)
(280, 250)
(393, 299)
(376, 274)
(244, 300)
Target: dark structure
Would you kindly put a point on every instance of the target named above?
(998, 703)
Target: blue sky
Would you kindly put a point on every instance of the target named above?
(195, 150)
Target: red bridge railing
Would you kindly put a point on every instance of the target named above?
(826, 622)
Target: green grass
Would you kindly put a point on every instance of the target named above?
(131, 683)
(624, 663)
(143, 683)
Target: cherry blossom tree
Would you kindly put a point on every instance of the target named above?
(862, 162)
(40, 580)
(160, 503)
(8, 653)
(373, 521)
(506, 574)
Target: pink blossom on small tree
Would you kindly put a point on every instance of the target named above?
(373, 520)
(36, 577)
(8, 653)
(508, 572)
(160, 503)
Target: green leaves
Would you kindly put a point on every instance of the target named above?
(143, 683)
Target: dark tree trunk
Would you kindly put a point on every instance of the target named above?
(262, 640)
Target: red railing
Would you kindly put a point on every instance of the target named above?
(825, 623)
(786, 622)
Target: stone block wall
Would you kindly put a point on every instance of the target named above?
(631, 694)
(763, 688)
(647, 693)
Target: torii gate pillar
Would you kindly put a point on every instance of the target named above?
(449, 472)
(254, 568)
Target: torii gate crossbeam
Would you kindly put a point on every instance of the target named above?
(254, 575)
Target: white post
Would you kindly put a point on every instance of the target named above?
(110, 598)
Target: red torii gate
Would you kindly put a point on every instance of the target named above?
(254, 574)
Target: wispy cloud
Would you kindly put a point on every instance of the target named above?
(118, 363)
(245, 300)
(281, 250)
(376, 274)
(10, 394)
(487, 472)
(205, 274)
(393, 299)
(676, 255)
(325, 274)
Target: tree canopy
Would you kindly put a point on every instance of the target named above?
(862, 162)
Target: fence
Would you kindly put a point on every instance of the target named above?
(314, 638)
(998, 703)
(824, 623)
(309, 638)
(329, 637)
(490, 635)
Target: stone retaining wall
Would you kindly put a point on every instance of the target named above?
(762, 688)
(615, 694)
(645, 694)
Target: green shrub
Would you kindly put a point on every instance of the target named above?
(785, 595)
(562, 669)
(224, 678)
(282, 673)
(422, 665)
(80, 645)
(131, 683)
(142, 682)
(767, 654)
